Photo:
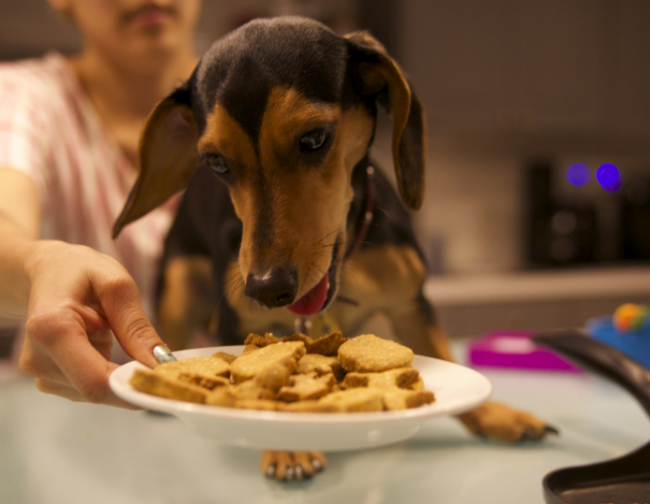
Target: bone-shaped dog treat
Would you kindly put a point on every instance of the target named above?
(398, 399)
(306, 386)
(270, 365)
(321, 365)
(400, 377)
(164, 386)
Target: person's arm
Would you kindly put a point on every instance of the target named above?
(19, 225)
(71, 296)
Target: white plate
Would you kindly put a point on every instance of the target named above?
(457, 389)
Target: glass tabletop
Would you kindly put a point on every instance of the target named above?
(54, 451)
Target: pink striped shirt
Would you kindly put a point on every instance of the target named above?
(50, 131)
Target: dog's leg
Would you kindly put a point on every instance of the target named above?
(291, 466)
(415, 325)
(187, 300)
(499, 421)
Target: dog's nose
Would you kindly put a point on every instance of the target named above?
(274, 289)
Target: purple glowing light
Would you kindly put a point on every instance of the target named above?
(578, 174)
(609, 177)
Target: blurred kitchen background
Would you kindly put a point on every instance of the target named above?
(537, 210)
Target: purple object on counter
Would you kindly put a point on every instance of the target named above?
(515, 350)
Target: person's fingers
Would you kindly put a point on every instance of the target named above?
(120, 301)
(46, 332)
(35, 362)
(102, 340)
(99, 289)
(92, 315)
(38, 363)
(87, 370)
(77, 295)
(72, 394)
(65, 391)
(63, 338)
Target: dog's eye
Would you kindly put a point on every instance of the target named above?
(217, 164)
(313, 140)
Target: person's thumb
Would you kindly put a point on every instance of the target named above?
(121, 304)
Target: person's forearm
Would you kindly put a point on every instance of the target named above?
(16, 247)
(20, 211)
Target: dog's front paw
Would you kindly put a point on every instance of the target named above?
(498, 421)
(291, 466)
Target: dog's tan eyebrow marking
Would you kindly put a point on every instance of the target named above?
(288, 116)
(225, 135)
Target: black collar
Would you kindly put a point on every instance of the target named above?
(365, 219)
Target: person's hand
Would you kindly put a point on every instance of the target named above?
(77, 297)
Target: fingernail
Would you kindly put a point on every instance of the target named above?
(162, 354)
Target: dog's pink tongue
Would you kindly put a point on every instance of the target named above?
(313, 301)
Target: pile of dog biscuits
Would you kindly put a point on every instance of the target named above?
(295, 373)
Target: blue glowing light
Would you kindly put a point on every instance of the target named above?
(578, 174)
(609, 177)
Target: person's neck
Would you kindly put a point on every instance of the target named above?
(124, 95)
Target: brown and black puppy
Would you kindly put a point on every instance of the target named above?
(284, 218)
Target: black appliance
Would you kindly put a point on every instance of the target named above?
(558, 233)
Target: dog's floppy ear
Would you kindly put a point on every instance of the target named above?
(380, 75)
(168, 156)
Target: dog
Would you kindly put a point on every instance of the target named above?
(284, 217)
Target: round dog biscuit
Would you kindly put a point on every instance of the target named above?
(369, 354)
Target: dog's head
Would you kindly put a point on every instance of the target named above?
(282, 110)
